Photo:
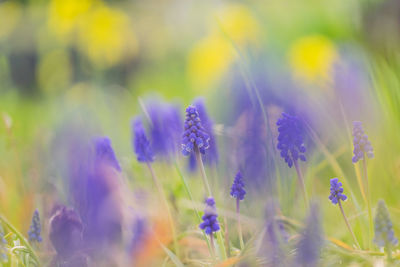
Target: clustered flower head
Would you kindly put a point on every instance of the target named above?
(361, 143)
(194, 135)
(3, 250)
(141, 144)
(336, 191)
(35, 228)
(384, 234)
(105, 153)
(210, 223)
(290, 139)
(237, 189)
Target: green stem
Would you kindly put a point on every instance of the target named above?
(164, 200)
(301, 181)
(368, 201)
(348, 225)
(21, 237)
(212, 247)
(203, 172)
(239, 224)
(220, 238)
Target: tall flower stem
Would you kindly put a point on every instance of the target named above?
(220, 238)
(301, 181)
(203, 172)
(239, 224)
(164, 200)
(348, 225)
(370, 229)
(212, 247)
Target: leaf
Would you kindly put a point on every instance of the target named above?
(172, 256)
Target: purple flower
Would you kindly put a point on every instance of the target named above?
(35, 228)
(212, 156)
(165, 128)
(104, 152)
(311, 240)
(210, 223)
(237, 189)
(140, 230)
(336, 191)
(361, 143)
(141, 144)
(65, 232)
(290, 139)
(194, 136)
(384, 234)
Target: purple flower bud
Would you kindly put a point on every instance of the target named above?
(104, 152)
(210, 223)
(336, 191)
(361, 143)
(384, 234)
(290, 139)
(141, 144)
(237, 189)
(194, 135)
(35, 228)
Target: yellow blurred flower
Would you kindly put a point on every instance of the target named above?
(64, 15)
(106, 36)
(312, 58)
(212, 56)
(238, 23)
(54, 71)
(209, 60)
(10, 13)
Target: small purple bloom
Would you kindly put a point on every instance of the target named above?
(336, 191)
(290, 139)
(105, 153)
(237, 189)
(35, 228)
(210, 222)
(361, 143)
(384, 234)
(194, 136)
(212, 155)
(141, 144)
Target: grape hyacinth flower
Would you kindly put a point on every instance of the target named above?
(237, 189)
(384, 234)
(336, 191)
(195, 137)
(35, 228)
(311, 240)
(238, 192)
(141, 144)
(336, 197)
(212, 156)
(3, 249)
(290, 143)
(210, 223)
(362, 146)
(290, 139)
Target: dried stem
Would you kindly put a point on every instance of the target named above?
(348, 225)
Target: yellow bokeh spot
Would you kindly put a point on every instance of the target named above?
(10, 13)
(54, 71)
(238, 24)
(209, 60)
(106, 36)
(64, 15)
(312, 58)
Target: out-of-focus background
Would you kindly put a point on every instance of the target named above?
(92, 65)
